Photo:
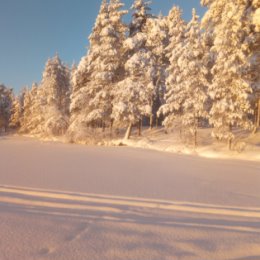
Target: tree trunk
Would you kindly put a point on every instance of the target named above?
(195, 139)
(151, 121)
(128, 132)
(196, 124)
(157, 122)
(140, 127)
(258, 114)
(111, 127)
(230, 139)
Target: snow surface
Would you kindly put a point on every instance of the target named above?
(63, 201)
(244, 148)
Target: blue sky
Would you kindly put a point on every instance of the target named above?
(31, 31)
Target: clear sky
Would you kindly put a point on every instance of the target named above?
(31, 31)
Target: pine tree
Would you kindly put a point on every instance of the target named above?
(16, 113)
(193, 78)
(251, 45)
(115, 17)
(100, 69)
(157, 39)
(230, 91)
(79, 107)
(175, 94)
(175, 30)
(81, 79)
(98, 92)
(108, 64)
(45, 109)
(141, 12)
(55, 88)
(134, 94)
(6, 97)
(33, 115)
(186, 96)
(25, 110)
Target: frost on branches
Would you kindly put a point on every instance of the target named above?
(192, 79)
(230, 89)
(187, 75)
(137, 86)
(46, 107)
(81, 79)
(156, 42)
(107, 65)
(186, 96)
(99, 71)
(55, 87)
(174, 96)
(32, 116)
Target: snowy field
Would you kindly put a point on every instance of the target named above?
(63, 201)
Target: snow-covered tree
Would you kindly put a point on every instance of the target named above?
(230, 90)
(55, 91)
(45, 109)
(115, 18)
(130, 102)
(193, 77)
(107, 65)
(33, 116)
(82, 93)
(6, 96)
(16, 113)
(186, 97)
(120, 29)
(175, 30)
(138, 85)
(100, 69)
(79, 107)
(157, 39)
(251, 44)
(26, 110)
(175, 94)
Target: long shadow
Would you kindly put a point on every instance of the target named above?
(101, 209)
(136, 215)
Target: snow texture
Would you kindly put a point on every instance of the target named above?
(59, 202)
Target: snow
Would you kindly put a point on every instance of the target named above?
(63, 201)
(182, 194)
(256, 19)
(244, 148)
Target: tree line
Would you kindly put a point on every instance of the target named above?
(155, 70)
